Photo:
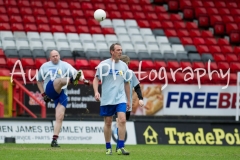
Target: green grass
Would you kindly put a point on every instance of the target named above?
(97, 152)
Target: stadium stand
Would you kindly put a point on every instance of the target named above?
(177, 31)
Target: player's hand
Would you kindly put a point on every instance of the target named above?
(141, 103)
(46, 98)
(97, 96)
(128, 105)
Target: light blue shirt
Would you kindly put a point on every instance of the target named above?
(133, 82)
(50, 71)
(113, 91)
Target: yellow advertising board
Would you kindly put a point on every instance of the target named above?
(6, 95)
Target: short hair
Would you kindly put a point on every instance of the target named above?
(125, 59)
(113, 46)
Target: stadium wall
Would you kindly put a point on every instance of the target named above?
(165, 132)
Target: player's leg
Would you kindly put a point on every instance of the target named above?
(121, 112)
(61, 104)
(108, 133)
(117, 133)
(60, 111)
(59, 83)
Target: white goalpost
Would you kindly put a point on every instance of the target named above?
(237, 99)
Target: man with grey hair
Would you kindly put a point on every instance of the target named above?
(56, 75)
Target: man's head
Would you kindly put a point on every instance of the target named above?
(116, 51)
(125, 59)
(54, 56)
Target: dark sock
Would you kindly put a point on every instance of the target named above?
(120, 143)
(117, 137)
(55, 137)
(108, 145)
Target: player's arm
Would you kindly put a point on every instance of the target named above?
(137, 89)
(95, 88)
(127, 91)
(40, 86)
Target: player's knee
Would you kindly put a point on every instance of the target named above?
(122, 119)
(59, 116)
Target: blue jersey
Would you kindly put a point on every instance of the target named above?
(113, 91)
(133, 82)
(50, 71)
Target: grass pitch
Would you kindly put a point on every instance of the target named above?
(97, 152)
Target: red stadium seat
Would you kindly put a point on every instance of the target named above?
(147, 8)
(52, 12)
(95, 30)
(26, 11)
(44, 28)
(15, 19)
(231, 27)
(41, 20)
(212, 66)
(227, 19)
(30, 27)
(89, 74)
(186, 40)
(92, 22)
(226, 49)
(133, 65)
(11, 62)
(231, 58)
(171, 33)
(185, 65)
(111, 6)
(28, 62)
(5, 26)
(2, 9)
(10, 3)
(173, 6)
(67, 21)
(235, 38)
(198, 65)
(93, 63)
(56, 28)
(159, 9)
(235, 66)
(39, 62)
(197, 3)
(167, 24)
(212, 11)
(70, 29)
(80, 21)
(172, 65)
(237, 50)
(159, 64)
(54, 20)
(233, 78)
(222, 41)
(203, 21)
(61, 4)
(179, 25)
(175, 17)
(195, 33)
(4, 18)
(65, 13)
(223, 66)
(86, 5)
(151, 16)
(82, 29)
(200, 11)
(102, 6)
(38, 12)
(13, 11)
(75, 5)
(2, 53)
(70, 61)
(155, 24)
(163, 16)
(127, 15)
(3, 62)
(82, 64)
(139, 15)
(49, 4)
(115, 14)
(219, 57)
(136, 8)
(202, 49)
(182, 32)
(214, 49)
(28, 19)
(143, 23)
(77, 14)
(210, 41)
(220, 4)
(199, 41)
(231, 4)
(5, 72)
(108, 31)
(215, 19)
(147, 65)
(188, 14)
(185, 4)
(208, 4)
(17, 27)
(207, 34)
(36, 4)
(219, 29)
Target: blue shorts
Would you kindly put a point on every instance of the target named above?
(58, 98)
(110, 110)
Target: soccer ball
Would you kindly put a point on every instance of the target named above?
(100, 15)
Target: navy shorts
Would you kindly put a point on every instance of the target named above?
(110, 110)
(58, 98)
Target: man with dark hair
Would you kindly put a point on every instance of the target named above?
(115, 88)
(56, 74)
